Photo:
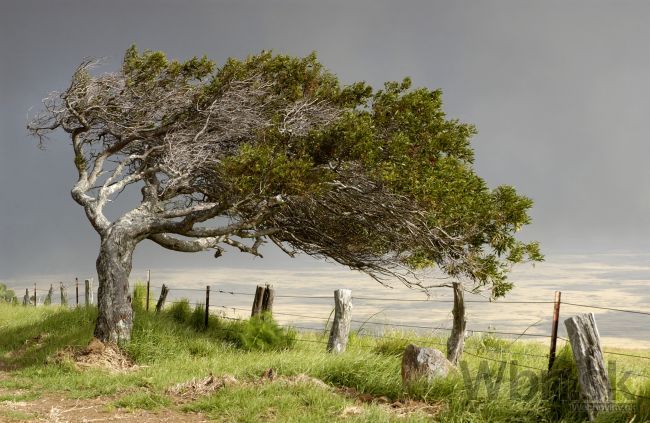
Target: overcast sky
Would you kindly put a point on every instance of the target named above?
(559, 91)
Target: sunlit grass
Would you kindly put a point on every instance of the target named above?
(173, 347)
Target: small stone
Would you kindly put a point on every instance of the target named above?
(424, 363)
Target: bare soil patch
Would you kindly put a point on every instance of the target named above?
(53, 409)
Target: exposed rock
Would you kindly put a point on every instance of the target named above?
(424, 363)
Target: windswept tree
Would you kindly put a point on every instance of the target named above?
(273, 148)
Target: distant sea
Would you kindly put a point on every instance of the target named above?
(603, 280)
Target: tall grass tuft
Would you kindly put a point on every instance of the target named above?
(197, 318)
(562, 388)
(139, 299)
(180, 311)
(260, 333)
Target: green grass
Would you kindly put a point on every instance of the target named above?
(174, 347)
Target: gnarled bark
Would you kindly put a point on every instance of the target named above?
(115, 319)
(456, 341)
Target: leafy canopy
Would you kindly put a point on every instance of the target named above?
(378, 180)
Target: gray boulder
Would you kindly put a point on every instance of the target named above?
(420, 363)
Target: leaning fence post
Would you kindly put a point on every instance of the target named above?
(588, 354)
(89, 292)
(162, 299)
(267, 299)
(148, 287)
(64, 295)
(340, 331)
(556, 317)
(48, 297)
(207, 305)
(258, 300)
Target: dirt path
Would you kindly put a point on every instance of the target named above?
(55, 409)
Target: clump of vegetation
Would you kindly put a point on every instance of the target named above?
(260, 333)
(7, 295)
(562, 388)
(180, 311)
(642, 404)
(139, 297)
(391, 345)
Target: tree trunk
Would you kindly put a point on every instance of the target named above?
(456, 340)
(115, 318)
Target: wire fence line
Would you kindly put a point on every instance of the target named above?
(59, 291)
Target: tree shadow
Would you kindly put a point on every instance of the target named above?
(31, 344)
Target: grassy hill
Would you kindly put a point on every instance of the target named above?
(363, 384)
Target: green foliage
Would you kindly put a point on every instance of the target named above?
(260, 333)
(7, 295)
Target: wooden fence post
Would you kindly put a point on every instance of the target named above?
(556, 317)
(340, 331)
(89, 292)
(258, 300)
(148, 287)
(207, 305)
(48, 298)
(267, 298)
(77, 284)
(35, 299)
(26, 300)
(64, 295)
(163, 297)
(588, 354)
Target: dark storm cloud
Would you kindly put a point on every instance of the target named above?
(558, 90)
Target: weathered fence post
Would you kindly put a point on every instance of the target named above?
(77, 284)
(35, 299)
(148, 287)
(64, 295)
(588, 354)
(556, 317)
(89, 292)
(207, 305)
(456, 341)
(258, 300)
(163, 297)
(48, 297)
(26, 300)
(340, 331)
(267, 299)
